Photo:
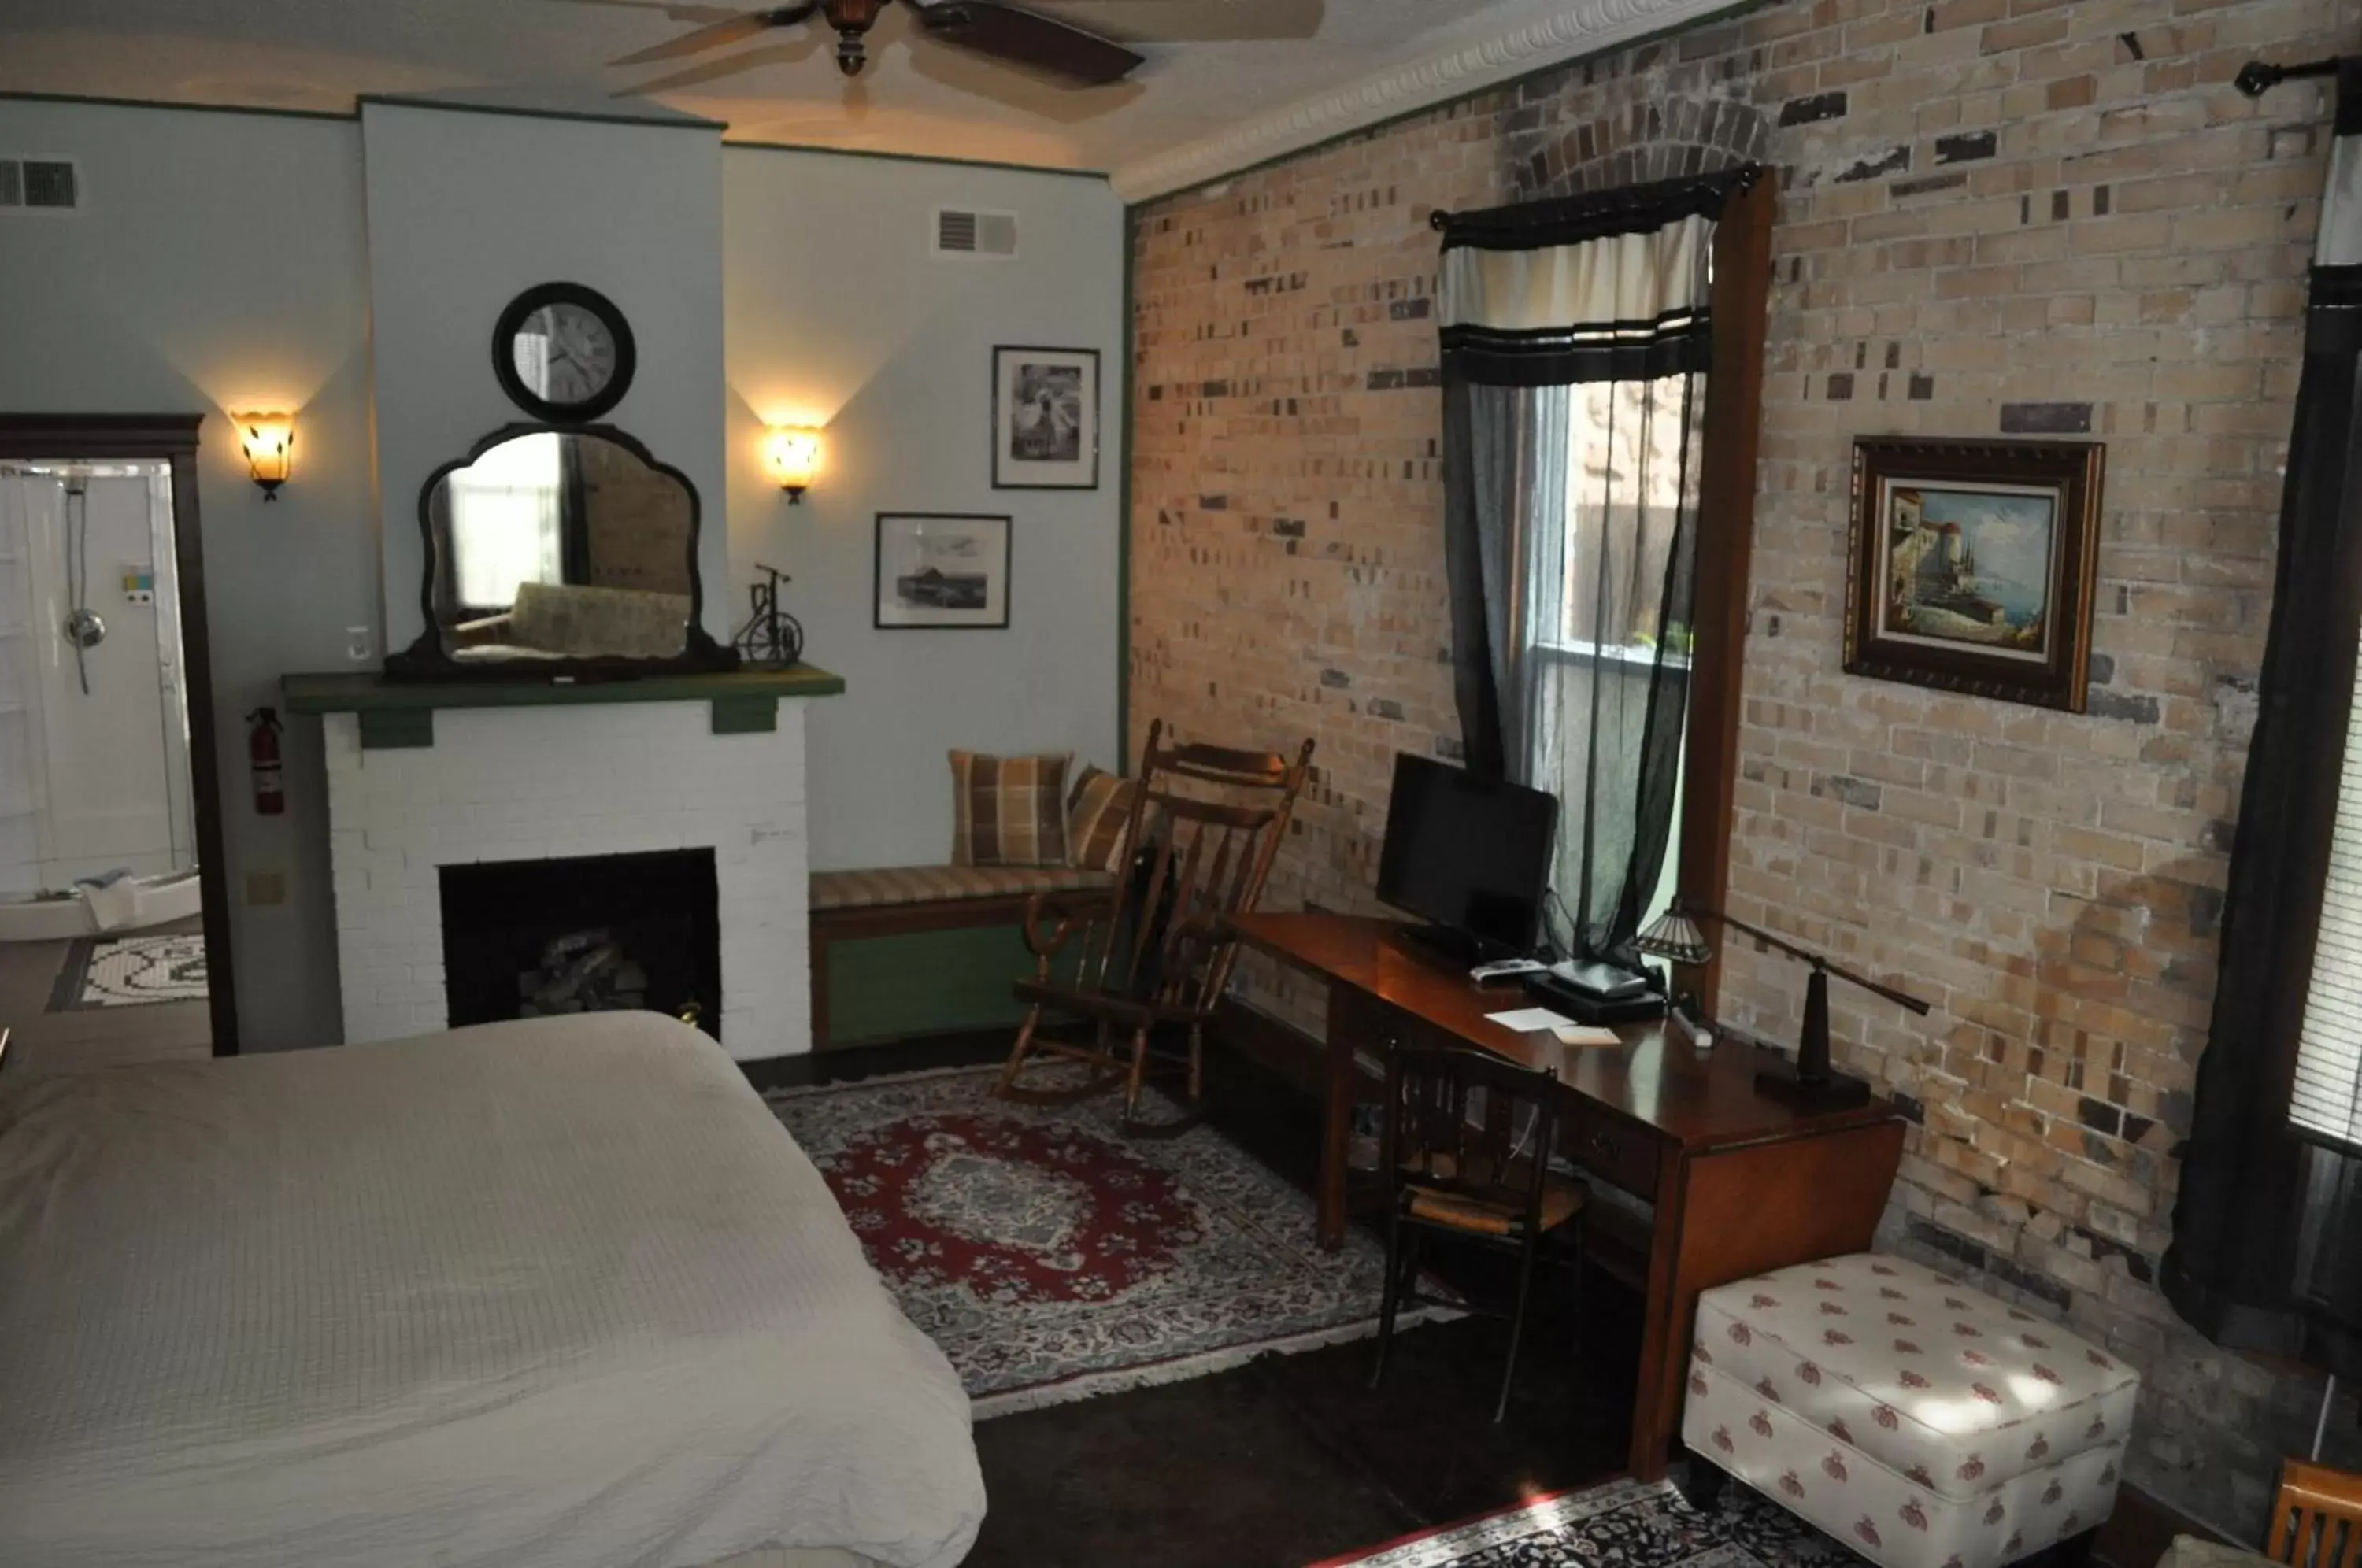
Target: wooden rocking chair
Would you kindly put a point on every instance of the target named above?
(1155, 951)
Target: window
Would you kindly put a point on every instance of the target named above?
(1630, 470)
(507, 513)
(1630, 481)
(1577, 343)
(2325, 1101)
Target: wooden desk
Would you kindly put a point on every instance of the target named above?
(1740, 1183)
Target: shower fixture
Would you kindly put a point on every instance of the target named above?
(84, 629)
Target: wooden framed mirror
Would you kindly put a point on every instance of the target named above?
(560, 552)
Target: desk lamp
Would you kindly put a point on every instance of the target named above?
(1808, 1081)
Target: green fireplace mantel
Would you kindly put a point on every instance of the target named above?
(402, 712)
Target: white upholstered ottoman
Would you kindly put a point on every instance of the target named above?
(1921, 1423)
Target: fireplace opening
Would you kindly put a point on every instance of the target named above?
(597, 933)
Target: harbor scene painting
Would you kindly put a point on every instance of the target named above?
(1971, 564)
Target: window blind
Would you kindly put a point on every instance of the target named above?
(2326, 1100)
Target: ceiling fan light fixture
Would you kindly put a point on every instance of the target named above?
(852, 20)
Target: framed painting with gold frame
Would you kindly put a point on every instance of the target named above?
(1971, 566)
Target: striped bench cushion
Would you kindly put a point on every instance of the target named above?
(945, 884)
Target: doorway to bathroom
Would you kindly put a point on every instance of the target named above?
(113, 941)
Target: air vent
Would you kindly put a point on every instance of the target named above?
(975, 234)
(38, 184)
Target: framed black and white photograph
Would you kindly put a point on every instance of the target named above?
(942, 568)
(1045, 419)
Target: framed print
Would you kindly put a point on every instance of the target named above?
(1971, 564)
(1045, 419)
(942, 568)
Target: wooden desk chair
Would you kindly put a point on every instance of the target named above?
(1154, 953)
(2317, 1517)
(1485, 1181)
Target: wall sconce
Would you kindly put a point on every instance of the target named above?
(270, 443)
(791, 456)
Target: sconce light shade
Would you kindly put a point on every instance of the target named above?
(270, 442)
(793, 457)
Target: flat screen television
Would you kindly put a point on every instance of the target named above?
(1467, 855)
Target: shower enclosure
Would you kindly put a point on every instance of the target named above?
(94, 771)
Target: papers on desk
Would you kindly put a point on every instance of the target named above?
(1531, 1019)
(1527, 1019)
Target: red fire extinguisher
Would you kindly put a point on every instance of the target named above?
(262, 751)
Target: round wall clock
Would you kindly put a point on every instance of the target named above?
(563, 353)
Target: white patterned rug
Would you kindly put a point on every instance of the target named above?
(1053, 1259)
(131, 971)
(1623, 1524)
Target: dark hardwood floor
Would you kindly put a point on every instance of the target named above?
(1291, 1458)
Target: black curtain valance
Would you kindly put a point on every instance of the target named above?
(1675, 344)
(1571, 220)
(1611, 286)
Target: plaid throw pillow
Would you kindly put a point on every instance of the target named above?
(1009, 811)
(1096, 809)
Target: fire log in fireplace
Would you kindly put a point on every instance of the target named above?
(583, 971)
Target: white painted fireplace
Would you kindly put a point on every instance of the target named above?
(556, 782)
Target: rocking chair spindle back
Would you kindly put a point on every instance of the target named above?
(1155, 951)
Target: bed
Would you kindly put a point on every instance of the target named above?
(559, 1292)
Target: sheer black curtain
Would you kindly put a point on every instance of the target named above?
(2267, 1252)
(1576, 340)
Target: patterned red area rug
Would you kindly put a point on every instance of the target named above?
(1053, 1259)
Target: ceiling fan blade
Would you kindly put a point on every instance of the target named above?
(1179, 21)
(679, 13)
(1027, 37)
(715, 70)
(745, 24)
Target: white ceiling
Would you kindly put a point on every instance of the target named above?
(1227, 82)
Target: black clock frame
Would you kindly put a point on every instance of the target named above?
(512, 319)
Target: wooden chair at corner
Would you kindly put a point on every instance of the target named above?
(1151, 957)
(1486, 1181)
(2317, 1517)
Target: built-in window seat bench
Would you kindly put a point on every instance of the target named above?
(912, 951)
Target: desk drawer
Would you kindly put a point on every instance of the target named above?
(1616, 1151)
(1375, 1026)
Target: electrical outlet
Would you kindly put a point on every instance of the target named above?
(359, 644)
(266, 887)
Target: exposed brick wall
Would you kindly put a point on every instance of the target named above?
(1996, 218)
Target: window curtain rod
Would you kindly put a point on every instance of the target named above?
(2258, 77)
(1570, 220)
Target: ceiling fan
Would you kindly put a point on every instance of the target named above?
(986, 27)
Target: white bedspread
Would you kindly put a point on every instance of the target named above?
(558, 1292)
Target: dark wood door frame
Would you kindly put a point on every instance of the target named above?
(172, 438)
(1733, 424)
